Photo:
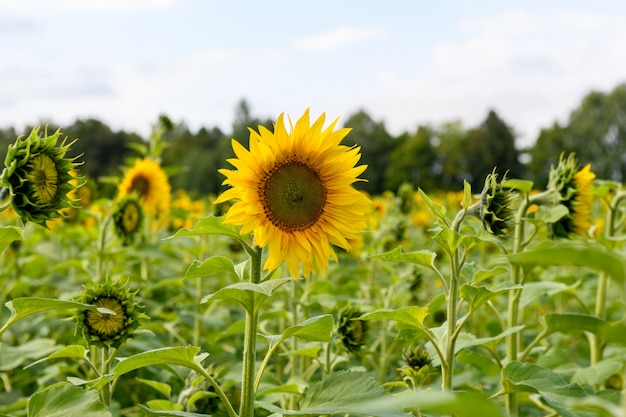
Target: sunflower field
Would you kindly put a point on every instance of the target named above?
(293, 293)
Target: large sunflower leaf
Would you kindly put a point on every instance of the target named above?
(437, 209)
(183, 356)
(357, 393)
(211, 266)
(423, 257)
(248, 294)
(554, 390)
(573, 253)
(209, 226)
(572, 322)
(412, 317)
(66, 352)
(66, 400)
(318, 329)
(27, 306)
(344, 392)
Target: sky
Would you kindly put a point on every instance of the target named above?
(406, 63)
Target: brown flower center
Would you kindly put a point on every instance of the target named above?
(130, 217)
(140, 185)
(293, 195)
(107, 325)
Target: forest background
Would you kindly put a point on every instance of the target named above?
(432, 157)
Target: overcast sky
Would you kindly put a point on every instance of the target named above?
(404, 62)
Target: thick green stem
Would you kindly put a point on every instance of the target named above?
(249, 347)
(512, 341)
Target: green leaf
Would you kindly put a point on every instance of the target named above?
(467, 195)
(209, 226)
(573, 323)
(551, 214)
(69, 352)
(572, 253)
(170, 413)
(554, 390)
(213, 265)
(598, 373)
(466, 340)
(249, 295)
(8, 235)
(66, 400)
(316, 329)
(161, 387)
(344, 392)
(27, 306)
(423, 257)
(517, 184)
(535, 290)
(412, 317)
(183, 356)
(448, 239)
(12, 357)
(436, 209)
(478, 296)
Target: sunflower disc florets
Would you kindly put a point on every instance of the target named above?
(574, 187)
(128, 219)
(38, 177)
(103, 329)
(353, 333)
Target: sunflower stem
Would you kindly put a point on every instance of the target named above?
(249, 344)
(512, 341)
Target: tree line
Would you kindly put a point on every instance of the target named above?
(431, 157)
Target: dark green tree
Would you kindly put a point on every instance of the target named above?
(376, 144)
(489, 146)
(450, 167)
(545, 153)
(412, 160)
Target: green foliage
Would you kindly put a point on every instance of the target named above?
(66, 400)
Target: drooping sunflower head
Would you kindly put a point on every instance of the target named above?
(496, 206)
(353, 332)
(294, 191)
(147, 180)
(416, 357)
(38, 177)
(103, 328)
(128, 219)
(574, 187)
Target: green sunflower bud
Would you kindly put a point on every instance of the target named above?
(37, 175)
(353, 332)
(128, 219)
(496, 206)
(416, 357)
(108, 330)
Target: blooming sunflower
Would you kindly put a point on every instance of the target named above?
(294, 191)
(574, 187)
(37, 176)
(148, 180)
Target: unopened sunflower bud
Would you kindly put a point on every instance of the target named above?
(102, 328)
(353, 332)
(128, 219)
(495, 209)
(38, 177)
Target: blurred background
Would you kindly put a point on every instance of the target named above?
(435, 92)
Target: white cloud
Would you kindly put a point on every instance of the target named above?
(337, 38)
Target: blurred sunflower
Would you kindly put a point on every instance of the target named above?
(37, 176)
(127, 219)
(294, 191)
(148, 181)
(574, 187)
